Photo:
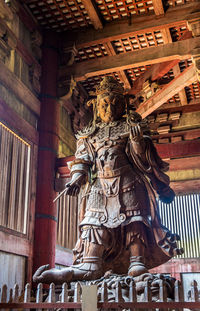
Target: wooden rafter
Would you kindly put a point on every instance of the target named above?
(182, 94)
(158, 7)
(180, 50)
(115, 30)
(93, 14)
(184, 79)
(121, 73)
(155, 72)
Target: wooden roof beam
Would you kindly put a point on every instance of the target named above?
(180, 50)
(158, 7)
(121, 73)
(187, 77)
(181, 94)
(117, 29)
(93, 14)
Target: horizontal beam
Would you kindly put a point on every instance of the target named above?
(138, 24)
(187, 77)
(16, 86)
(179, 149)
(177, 50)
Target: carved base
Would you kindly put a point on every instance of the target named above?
(124, 288)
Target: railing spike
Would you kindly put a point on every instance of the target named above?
(52, 296)
(39, 293)
(16, 293)
(118, 292)
(27, 293)
(178, 291)
(77, 292)
(64, 293)
(4, 293)
(162, 291)
(11, 296)
(104, 292)
(132, 292)
(147, 291)
(194, 291)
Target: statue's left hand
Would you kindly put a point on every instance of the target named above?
(136, 133)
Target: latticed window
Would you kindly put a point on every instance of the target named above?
(182, 216)
(14, 180)
(67, 228)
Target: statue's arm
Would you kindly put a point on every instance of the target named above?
(150, 164)
(79, 169)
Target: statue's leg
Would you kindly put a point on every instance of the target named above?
(136, 234)
(89, 266)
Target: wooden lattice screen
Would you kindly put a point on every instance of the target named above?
(14, 180)
(67, 228)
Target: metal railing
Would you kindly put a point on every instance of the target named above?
(88, 298)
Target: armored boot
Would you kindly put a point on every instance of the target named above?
(137, 266)
(89, 269)
(137, 255)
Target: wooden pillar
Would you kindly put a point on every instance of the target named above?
(46, 213)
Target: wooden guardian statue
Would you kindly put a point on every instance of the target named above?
(120, 171)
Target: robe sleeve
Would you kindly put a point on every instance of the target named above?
(82, 162)
(147, 160)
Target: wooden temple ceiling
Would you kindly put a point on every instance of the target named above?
(150, 46)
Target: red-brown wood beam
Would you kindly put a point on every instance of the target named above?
(155, 72)
(139, 24)
(187, 77)
(179, 149)
(172, 51)
(93, 14)
(46, 214)
(158, 7)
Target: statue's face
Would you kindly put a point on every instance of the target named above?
(110, 107)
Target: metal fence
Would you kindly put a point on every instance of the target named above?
(86, 298)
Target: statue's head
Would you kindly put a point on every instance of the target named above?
(110, 100)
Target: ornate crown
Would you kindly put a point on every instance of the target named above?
(110, 85)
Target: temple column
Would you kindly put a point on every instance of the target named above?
(46, 213)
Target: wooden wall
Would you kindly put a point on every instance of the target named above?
(19, 112)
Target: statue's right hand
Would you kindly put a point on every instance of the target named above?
(73, 187)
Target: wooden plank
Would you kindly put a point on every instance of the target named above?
(93, 14)
(158, 7)
(192, 162)
(121, 73)
(186, 186)
(15, 85)
(14, 244)
(155, 72)
(186, 78)
(180, 50)
(13, 120)
(182, 94)
(118, 29)
(179, 149)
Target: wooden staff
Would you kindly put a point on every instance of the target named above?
(60, 194)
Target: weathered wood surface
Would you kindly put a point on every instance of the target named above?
(187, 77)
(92, 12)
(15, 85)
(112, 31)
(180, 50)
